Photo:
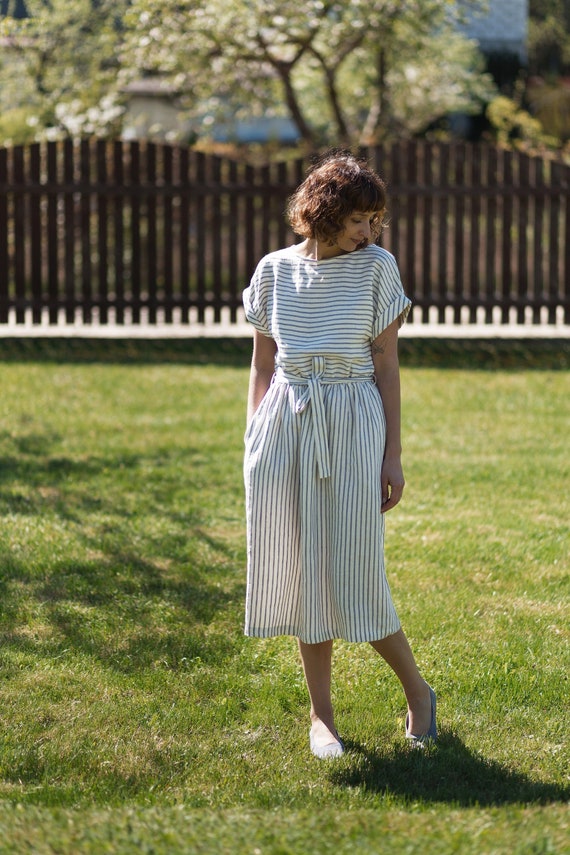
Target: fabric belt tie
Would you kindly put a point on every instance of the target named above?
(313, 395)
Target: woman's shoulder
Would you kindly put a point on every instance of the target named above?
(378, 253)
(274, 259)
(279, 254)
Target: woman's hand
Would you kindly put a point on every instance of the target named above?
(392, 479)
(387, 372)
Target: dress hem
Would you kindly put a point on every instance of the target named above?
(319, 639)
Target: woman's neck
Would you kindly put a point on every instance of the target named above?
(317, 250)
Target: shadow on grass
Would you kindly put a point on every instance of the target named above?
(542, 354)
(191, 351)
(449, 772)
(124, 613)
(32, 475)
(537, 353)
(40, 468)
(128, 602)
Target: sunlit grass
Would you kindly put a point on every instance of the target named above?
(135, 716)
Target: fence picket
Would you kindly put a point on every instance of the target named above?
(538, 265)
(68, 235)
(553, 241)
(53, 271)
(168, 236)
(19, 233)
(200, 234)
(135, 247)
(441, 295)
(35, 237)
(118, 233)
(460, 284)
(251, 256)
(522, 237)
(151, 211)
(506, 224)
(5, 279)
(474, 264)
(492, 188)
(427, 215)
(565, 230)
(102, 231)
(216, 239)
(85, 222)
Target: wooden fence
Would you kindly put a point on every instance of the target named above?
(129, 232)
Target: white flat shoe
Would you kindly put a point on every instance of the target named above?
(332, 749)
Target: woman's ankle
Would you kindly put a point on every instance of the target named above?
(417, 694)
(323, 731)
(325, 719)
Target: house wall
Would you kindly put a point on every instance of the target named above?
(503, 28)
(152, 116)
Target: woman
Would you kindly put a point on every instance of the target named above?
(323, 457)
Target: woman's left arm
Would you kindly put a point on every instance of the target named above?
(387, 371)
(262, 369)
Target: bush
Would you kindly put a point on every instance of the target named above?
(551, 106)
(514, 126)
(17, 127)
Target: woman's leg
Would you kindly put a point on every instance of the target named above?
(317, 660)
(396, 651)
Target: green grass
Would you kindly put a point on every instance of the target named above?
(134, 715)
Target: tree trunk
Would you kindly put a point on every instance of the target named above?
(306, 132)
(342, 127)
(378, 115)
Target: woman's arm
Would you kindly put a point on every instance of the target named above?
(262, 369)
(387, 371)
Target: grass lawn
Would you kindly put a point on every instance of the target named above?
(134, 715)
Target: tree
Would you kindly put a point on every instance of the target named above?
(549, 37)
(58, 66)
(336, 67)
(345, 71)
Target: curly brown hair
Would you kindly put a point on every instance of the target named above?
(338, 185)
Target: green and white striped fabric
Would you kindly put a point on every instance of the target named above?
(314, 449)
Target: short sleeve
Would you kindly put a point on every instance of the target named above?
(391, 302)
(255, 301)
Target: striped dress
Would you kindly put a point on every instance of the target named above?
(314, 449)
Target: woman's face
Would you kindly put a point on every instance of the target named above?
(356, 232)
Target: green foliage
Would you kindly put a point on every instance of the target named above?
(136, 717)
(550, 104)
(426, 89)
(547, 92)
(17, 126)
(515, 127)
(352, 72)
(60, 66)
(548, 47)
(337, 68)
(549, 37)
(343, 71)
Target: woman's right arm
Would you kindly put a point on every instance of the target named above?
(262, 370)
